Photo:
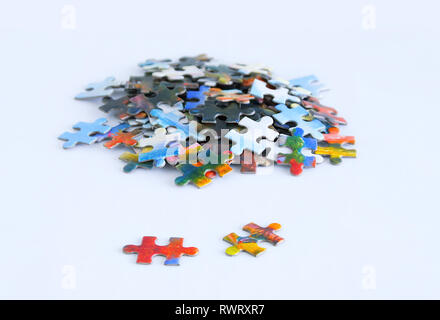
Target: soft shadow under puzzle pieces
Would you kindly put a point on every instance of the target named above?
(249, 243)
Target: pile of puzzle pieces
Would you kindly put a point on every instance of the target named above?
(201, 117)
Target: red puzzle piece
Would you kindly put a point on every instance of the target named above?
(148, 248)
(334, 137)
(122, 137)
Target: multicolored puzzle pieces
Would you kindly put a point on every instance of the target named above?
(242, 109)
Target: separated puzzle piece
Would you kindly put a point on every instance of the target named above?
(249, 243)
(211, 110)
(99, 89)
(249, 139)
(84, 133)
(126, 138)
(172, 252)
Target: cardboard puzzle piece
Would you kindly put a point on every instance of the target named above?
(159, 142)
(295, 158)
(152, 65)
(230, 95)
(296, 114)
(108, 135)
(121, 137)
(140, 84)
(335, 152)
(196, 174)
(249, 243)
(84, 133)
(171, 119)
(333, 137)
(260, 89)
(212, 109)
(249, 139)
(99, 89)
(324, 113)
(273, 149)
(247, 69)
(248, 162)
(198, 61)
(173, 75)
(199, 97)
(172, 252)
(114, 104)
(310, 83)
(132, 160)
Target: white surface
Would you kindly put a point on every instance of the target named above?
(74, 210)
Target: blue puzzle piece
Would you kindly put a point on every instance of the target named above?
(154, 65)
(310, 83)
(199, 95)
(84, 134)
(170, 119)
(158, 155)
(296, 114)
(101, 136)
(98, 89)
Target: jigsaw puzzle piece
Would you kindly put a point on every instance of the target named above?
(197, 174)
(259, 89)
(265, 234)
(174, 75)
(247, 69)
(199, 96)
(310, 83)
(99, 89)
(172, 252)
(295, 114)
(249, 139)
(247, 244)
(114, 104)
(333, 137)
(152, 65)
(84, 133)
(103, 136)
(166, 120)
(126, 138)
(325, 113)
(335, 152)
(211, 110)
(132, 160)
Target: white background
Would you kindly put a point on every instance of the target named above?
(365, 229)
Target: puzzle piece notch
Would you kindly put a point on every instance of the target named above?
(99, 89)
(260, 89)
(249, 139)
(172, 252)
(84, 133)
